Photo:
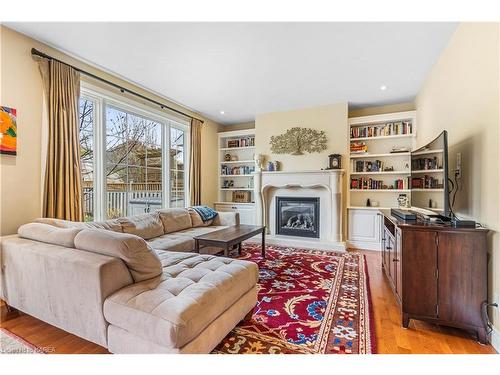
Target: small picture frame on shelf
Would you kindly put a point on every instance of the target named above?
(233, 143)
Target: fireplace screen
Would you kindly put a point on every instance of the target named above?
(297, 216)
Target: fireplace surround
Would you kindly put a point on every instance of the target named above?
(297, 216)
(323, 184)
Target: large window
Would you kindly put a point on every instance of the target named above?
(86, 132)
(133, 159)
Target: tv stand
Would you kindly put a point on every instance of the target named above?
(438, 273)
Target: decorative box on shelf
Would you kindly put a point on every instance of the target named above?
(242, 196)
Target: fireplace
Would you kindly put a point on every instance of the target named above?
(297, 216)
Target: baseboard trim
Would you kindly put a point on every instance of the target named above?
(312, 243)
(359, 245)
(495, 339)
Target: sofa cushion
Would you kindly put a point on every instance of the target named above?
(192, 232)
(140, 259)
(49, 234)
(112, 225)
(192, 292)
(172, 242)
(146, 225)
(196, 219)
(175, 219)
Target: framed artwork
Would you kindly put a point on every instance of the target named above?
(8, 131)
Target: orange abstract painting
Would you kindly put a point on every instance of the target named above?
(8, 131)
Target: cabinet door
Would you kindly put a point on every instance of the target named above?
(462, 276)
(382, 248)
(364, 228)
(419, 272)
(247, 215)
(387, 251)
(397, 262)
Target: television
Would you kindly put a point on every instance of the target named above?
(429, 177)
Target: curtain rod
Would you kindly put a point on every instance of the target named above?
(35, 52)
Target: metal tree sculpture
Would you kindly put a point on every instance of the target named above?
(298, 140)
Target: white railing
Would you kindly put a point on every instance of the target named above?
(119, 201)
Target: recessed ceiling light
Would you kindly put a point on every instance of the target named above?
(383, 87)
(222, 112)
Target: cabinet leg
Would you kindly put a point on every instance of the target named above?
(482, 337)
(405, 321)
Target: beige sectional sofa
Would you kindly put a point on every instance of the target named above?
(132, 285)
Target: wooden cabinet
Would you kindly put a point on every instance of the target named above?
(438, 273)
(364, 228)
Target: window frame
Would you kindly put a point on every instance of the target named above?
(102, 98)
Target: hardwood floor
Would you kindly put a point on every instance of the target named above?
(421, 338)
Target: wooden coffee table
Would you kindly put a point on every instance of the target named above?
(227, 238)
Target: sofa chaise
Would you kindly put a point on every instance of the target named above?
(133, 284)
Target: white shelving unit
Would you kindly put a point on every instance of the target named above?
(364, 223)
(236, 172)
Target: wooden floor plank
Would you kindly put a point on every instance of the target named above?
(391, 338)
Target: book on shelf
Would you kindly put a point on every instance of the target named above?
(364, 183)
(426, 182)
(236, 171)
(369, 166)
(358, 147)
(241, 142)
(382, 130)
(423, 164)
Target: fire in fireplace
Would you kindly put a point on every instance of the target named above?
(297, 216)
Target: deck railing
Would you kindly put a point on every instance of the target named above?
(122, 203)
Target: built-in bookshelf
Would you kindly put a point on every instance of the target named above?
(236, 165)
(379, 171)
(380, 159)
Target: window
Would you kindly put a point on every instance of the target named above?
(133, 158)
(177, 170)
(86, 133)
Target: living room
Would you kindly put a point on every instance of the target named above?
(237, 196)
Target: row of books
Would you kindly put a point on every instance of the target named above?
(243, 170)
(369, 166)
(242, 142)
(426, 182)
(383, 130)
(358, 147)
(423, 164)
(364, 183)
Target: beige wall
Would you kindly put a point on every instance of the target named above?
(462, 95)
(380, 110)
(332, 119)
(21, 88)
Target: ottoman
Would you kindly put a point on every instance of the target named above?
(190, 308)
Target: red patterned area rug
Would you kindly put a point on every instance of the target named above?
(310, 301)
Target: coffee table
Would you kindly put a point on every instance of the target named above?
(228, 237)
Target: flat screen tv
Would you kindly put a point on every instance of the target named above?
(429, 177)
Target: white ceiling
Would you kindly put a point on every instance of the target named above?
(249, 68)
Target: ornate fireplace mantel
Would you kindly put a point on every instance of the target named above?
(326, 183)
